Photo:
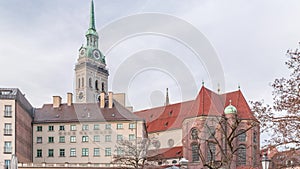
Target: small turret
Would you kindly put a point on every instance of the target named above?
(230, 109)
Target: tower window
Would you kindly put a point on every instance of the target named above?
(96, 85)
(102, 86)
(82, 82)
(90, 83)
(79, 83)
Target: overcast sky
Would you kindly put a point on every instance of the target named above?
(39, 42)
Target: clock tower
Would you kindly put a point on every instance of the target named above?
(90, 70)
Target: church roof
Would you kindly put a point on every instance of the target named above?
(83, 112)
(207, 103)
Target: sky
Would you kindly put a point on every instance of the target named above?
(243, 42)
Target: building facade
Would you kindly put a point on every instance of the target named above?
(82, 132)
(16, 132)
(214, 129)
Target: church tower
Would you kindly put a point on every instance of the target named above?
(90, 71)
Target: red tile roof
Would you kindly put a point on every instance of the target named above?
(165, 153)
(206, 103)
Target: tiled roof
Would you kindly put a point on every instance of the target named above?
(165, 153)
(206, 103)
(86, 112)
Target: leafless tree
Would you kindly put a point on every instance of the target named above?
(131, 153)
(219, 145)
(282, 117)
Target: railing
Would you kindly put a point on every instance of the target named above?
(7, 131)
(72, 165)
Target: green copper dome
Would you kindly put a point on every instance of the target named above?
(230, 109)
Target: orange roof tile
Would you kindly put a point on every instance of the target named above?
(206, 103)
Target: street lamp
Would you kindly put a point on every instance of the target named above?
(265, 161)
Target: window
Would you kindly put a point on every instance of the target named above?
(73, 152)
(96, 138)
(194, 134)
(107, 151)
(82, 82)
(96, 126)
(50, 152)
(39, 153)
(119, 126)
(131, 137)
(131, 125)
(108, 138)
(120, 151)
(73, 127)
(96, 85)
(195, 152)
(73, 139)
(85, 127)
(61, 152)
(102, 86)
(39, 128)
(254, 156)
(79, 83)
(90, 83)
(85, 152)
(7, 129)
(254, 137)
(96, 152)
(7, 147)
(241, 155)
(119, 137)
(61, 139)
(6, 164)
(61, 128)
(39, 140)
(242, 136)
(7, 110)
(85, 138)
(50, 139)
(107, 126)
(50, 128)
(211, 152)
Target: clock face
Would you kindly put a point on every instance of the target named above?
(96, 54)
(82, 52)
(80, 95)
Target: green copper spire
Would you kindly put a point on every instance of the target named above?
(92, 17)
(92, 27)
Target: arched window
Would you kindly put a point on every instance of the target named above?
(78, 83)
(102, 86)
(242, 136)
(82, 82)
(211, 152)
(254, 137)
(194, 134)
(96, 85)
(241, 155)
(195, 152)
(90, 83)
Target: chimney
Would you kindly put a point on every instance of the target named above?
(110, 100)
(69, 99)
(56, 101)
(102, 100)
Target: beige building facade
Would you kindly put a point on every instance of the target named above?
(16, 129)
(82, 132)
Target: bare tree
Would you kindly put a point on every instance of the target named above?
(282, 118)
(218, 141)
(131, 153)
